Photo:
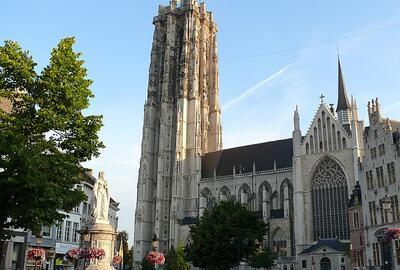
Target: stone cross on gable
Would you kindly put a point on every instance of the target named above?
(322, 98)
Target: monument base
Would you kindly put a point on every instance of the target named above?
(102, 236)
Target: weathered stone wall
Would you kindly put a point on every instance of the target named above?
(181, 122)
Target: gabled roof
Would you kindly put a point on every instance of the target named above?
(343, 101)
(263, 155)
(334, 244)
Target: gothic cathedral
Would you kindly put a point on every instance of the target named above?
(306, 188)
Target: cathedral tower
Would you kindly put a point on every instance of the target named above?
(181, 123)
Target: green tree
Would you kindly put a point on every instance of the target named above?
(176, 259)
(127, 253)
(146, 265)
(262, 259)
(224, 236)
(45, 137)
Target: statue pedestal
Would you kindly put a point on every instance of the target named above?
(102, 236)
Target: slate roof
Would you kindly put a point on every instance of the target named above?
(343, 101)
(262, 154)
(334, 244)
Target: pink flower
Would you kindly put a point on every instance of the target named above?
(392, 234)
(117, 260)
(37, 254)
(155, 257)
(88, 253)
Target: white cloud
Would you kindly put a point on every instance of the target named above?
(252, 89)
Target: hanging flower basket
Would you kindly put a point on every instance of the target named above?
(392, 234)
(73, 254)
(37, 254)
(89, 253)
(117, 260)
(94, 253)
(155, 257)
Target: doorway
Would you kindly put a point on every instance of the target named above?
(325, 263)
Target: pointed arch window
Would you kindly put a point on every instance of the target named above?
(312, 144)
(329, 195)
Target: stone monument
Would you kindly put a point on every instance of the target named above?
(102, 235)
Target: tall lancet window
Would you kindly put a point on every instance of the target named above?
(329, 201)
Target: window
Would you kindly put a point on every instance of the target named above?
(85, 209)
(375, 252)
(395, 208)
(384, 214)
(381, 149)
(356, 221)
(379, 176)
(76, 209)
(59, 230)
(329, 196)
(373, 153)
(46, 231)
(359, 258)
(67, 231)
(75, 232)
(304, 263)
(397, 246)
(372, 212)
(370, 180)
(391, 173)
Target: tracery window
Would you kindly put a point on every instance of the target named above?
(329, 194)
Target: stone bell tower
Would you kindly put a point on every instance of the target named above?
(181, 123)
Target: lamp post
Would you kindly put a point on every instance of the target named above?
(387, 256)
(85, 237)
(155, 242)
(38, 241)
(239, 241)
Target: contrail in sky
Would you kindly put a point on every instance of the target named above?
(249, 91)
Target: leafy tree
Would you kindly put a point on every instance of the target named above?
(146, 265)
(45, 137)
(176, 260)
(224, 236)
(127, 253)
(262, 259)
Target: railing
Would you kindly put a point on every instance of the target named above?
(231, 176)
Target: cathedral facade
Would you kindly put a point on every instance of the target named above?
(301, 186)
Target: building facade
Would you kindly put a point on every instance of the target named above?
(357, 229)
(380, 180)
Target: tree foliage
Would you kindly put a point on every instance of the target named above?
(146, 265)
(176, 259)
(127, 253)
(224, 236)
(45, 137)
(262, 259)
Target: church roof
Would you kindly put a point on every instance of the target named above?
(343, 101)
(334, 244)
(263, 155)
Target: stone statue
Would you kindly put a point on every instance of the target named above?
(100, 200)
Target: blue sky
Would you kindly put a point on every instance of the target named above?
(268, 64)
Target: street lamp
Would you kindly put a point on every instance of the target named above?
(239, 242)
(85, 237)
(155, 242)
(386, 203)
(38, 240)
